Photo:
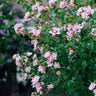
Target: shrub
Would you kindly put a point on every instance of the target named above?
(63, 33)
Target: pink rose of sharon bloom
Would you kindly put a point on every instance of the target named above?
(52, 1)
(57, 65)
(41, 69)
(51, 86)
(55, 31)
(93, 32)
(29, 53)
(62, 4)
(92, 86)
(35, 79)
(36, 32)
(17, 27)
(85, 12)
(25, 76)
(47, 54)
(28, 69)
(50, 63)
(35, 7)
(85, 15)
(70, 52)
(35, 62)
(27, 15)
(94, 91)
(52, 57)
(41, 8)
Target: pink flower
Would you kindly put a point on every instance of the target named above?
(85, 15)
(52, 1)
(70, 52)
(35, 79)
(29, 53)
(50, 86)
(85, 12)
(35, 7)
(77, 28)
(28, 69)
(93, 32)
(41, 8)
(55, 31)
(72, 3)
(41, 69)
(35, 62)
(50, 63)
(57, 65)
(88, 10)
(27, 15)
(14, 56)
(35, 42)
(33, 94)
(39, 87)
(94, 91)
(79, 11)
(65, 28)
(47, 54)
(52, 57)
(62, 4)
(69, 27)
(41, 49)
(25, 75)
(34, 56)
(38, 15)
(17, 27)
(36, 32)
(46, 8)
(92, 86)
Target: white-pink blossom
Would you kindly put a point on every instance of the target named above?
(52, 57)
(50, 63)
(41, 8)
(52, 1)
(41, 69)
(92, 86)
(36, 32)
(57, 65)
(50, 86)
(85, 12)
(85, 15)
(29, 53)
(25, 76)
(70, 52)
(28, 69)
(35, 42)
(55, 31)
(27, 15)
(94, 91)
(34, 56)
(35, 7)
(35, 79)
(93, 32)
(47, 54)
(62, 4)
(35, 62)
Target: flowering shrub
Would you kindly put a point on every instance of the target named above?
(63, 36)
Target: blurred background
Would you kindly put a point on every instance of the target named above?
(11, 77)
